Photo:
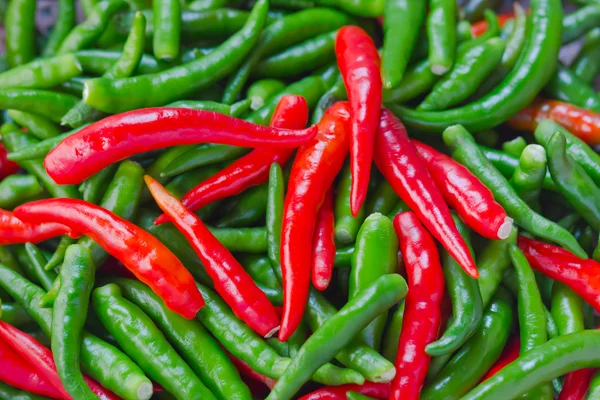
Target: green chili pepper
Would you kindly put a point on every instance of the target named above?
(376, 254)
(260, 270)
(572, 181)
(585, 66)
(473, 9)
(31, 257)
(167, 28)
(567, 309)
(65, 21)
(247, 240)
(467, 305)
(73, 86)
(357, 396)
(68, 317)
(274, 217)
(136, 333)
(103, 362)
(41, 148)
(441, 32)
(202, 155)
(19, 23)
(471, 362)
(8, 260)
(201, 5)
(343, 256)
(594, 390)
(249, 208)
(383, 199)
(260, 91)
(163, 87)
(198, 348)
(241, 109)
(514, 147)
(11, 393)
(466, 152)
(202, 105)
(59, 253)
(93, 188)
(299, 59)
(98, 62)
(577, 23)
(436, 365)
(529, 175)
(417, 80)
(328, 339)
(468, 72)
(47, 104)
(14, 314)
(39, 127)
(346, 225)
(18, 189)
(393, 330)
(400, 207)
(566, 86)
(335, 93)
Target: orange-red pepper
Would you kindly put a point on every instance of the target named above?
(7, 167)
(13, 230)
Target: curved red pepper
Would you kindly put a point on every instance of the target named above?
(422, 306)
(247, 371)
(584, 124)
(480, 27)
(115, 138)
(140, 252)
(36, 354)
(473, 201)
(358, 60)
(314, 169)
(7, 167)
(253, 168)
(13, 230)
(323, 249)
(231, 280)
(576, 384)
(399, 162)
(583, 276)
(377, 390)
(509, 354)
(21, 374)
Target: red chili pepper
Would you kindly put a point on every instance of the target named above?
(480, 27)
(13, 230)
(422, 307)
(142, 254)
(314, 169)
(253, 168)
(509, 354)
(7, 167)
(36, 354)
(576, 384)
(17, 372)
(376, 390)
(583, 276)
(323, 248)
(231, 280)
(358, 60)
(399, 162)
(115, 138)
(584, 124)
(473, 201)
(247, 371)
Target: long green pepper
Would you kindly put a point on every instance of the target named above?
(529, 175)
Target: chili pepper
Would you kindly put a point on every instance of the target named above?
(122, 68)
(584, 66)
(511, 353)
(566, 86)
(14, 314)
(402, 24)
(422, 315)
(137, 334)
(162, 270)
(376, 254)
(514, 147)
(576, 384)
(593, 386)
(14, 230)
(577, 23)
(462, 372)
(261, 271)
(529, 175)
(466, 152)
(166, 86)
(252, 169)
(359, 62)
(33, 257)
(41, 74)
(204, 154)
(19, 23)
(47, 104)
(326, 341)
(7, 167)
(392, 332)
(399, 162)
(8, 260)
(572, 180)
(39, 149)
(248, 372)
(274, 217)
(441, 32)
(473, 201)
(68, 317)
(532, 71)
(323, 246)
(313, 172)
(493, 261)
(200, 5)
(456, 86)
(382, 200)
(39, 127)
(94, 188)
(280, 35)
(347, 223)
(357, 396)
(337, 92)
(260, 91)
(9, 392)
(167, 29)
(377, 390)
(98, 62)
(567, 309)
(65, 22)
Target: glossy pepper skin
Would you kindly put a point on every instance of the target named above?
(253, 168)
(231, 281)
(7, 167)
(576, 384)
(422, 309)
(358, 60)
(377, 390)
(314, 169)
(323, 248)
(511, 353)
(528, 178)
(464, 192)
(120, 136)
(13, 230)
(139, 251)
(399, 162)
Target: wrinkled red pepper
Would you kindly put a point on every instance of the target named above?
(584, 124)
(399, 162)
(377, 390)
(323, 249)
(7, 167)
(576, 384)
(140, 252)
(41, 357)
(464, 192)
(253, 168)
(509, 354)
(480, 27)
(583, 276)
(118, 137)
(358, 61)
(13, 230)
(314, 169)
(231, 280)
(17, 372)
(422, 306)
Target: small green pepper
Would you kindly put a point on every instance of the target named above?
(19, 189)
(346, 225)
(529, 175)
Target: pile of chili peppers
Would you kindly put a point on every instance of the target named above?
(293, 199)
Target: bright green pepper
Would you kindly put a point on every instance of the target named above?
(32, 260)
(18, 189)
(274, 217)
(515, 147)
(41, 74)
(48, 104)
(40, 127)
(204, 154)
(246, 240)
(247, 209)
(346, 225)
(529, 175)
(393, 330)
(567, 309)
(441, 32)
(98, 62)
(19, 23)
(585, 66)
(14, 314)
(577, 23)
(93, 188)
(262, 90)
(59, 253)
(167, 28)
(65, 21)
(260, 270)
(566, 86)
